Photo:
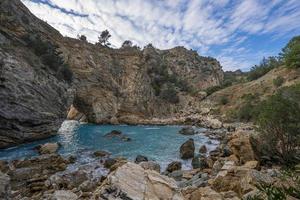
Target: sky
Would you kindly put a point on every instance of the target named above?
(239, 33)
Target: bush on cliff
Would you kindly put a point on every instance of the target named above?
(291, 53)
(278, 122)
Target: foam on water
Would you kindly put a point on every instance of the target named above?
(158, 143)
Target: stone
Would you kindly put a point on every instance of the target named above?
(205, 193)
(253, 164)
(226, 151)
(87, 186)
(177, 175)
(150, 165)
(4, 166)
(217, 166)
(5, 188)
(140, 158)
(199, 162)
(109, 162)
(173, 166)
(113, 133)
(187, 131)
(187, 149)
(203, 149)
(101, 153)
(64, 195)
(240, 145)
(48, 148)
(143, 184)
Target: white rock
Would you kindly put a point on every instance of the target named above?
(64, 195)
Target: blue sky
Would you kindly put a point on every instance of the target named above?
(239, 33)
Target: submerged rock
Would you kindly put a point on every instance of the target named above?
(187, 131)
(143, 184)
(101, 153)
(108, 163)
(117, 134)
(174, 166)
(47, 148)
(187, 149)
(140, 158)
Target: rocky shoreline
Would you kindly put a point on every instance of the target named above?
(232, 171)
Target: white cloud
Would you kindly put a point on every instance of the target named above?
(192, 23)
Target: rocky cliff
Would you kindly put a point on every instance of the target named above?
(43, 73)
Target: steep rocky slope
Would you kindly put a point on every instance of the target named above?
(258, 90)
(33, 99)
(43, 73)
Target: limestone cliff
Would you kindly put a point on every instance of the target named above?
(43, 73)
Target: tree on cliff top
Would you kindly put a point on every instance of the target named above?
(104, 37)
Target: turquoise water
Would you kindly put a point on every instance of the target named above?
(159, 143)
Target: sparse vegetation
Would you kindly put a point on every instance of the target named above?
(127, 43)
(170, 94)
(266, 65)
(277, 82)
(82, 37)
(223, 100)
(49, 56)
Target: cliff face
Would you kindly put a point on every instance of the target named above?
(43, 73)
(33, 100)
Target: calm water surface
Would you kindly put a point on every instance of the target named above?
(159, 143)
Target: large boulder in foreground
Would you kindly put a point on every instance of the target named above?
(4, 185)
(143, 184)
(240, 145)
(187, 149)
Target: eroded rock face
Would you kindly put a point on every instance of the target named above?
(33, 99)
(143, 184)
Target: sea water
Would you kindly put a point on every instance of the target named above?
(158, 143)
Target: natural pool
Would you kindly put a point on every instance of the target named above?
(159, 143)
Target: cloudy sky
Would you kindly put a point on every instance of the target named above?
(237, 32)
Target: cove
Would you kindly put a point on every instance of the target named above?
(158, 143)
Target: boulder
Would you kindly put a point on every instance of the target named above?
(205, 193)
(187, 131)
(109, 162)
(150, 165)
(199, 162)
(5, 190)
(64, 195)
(143, 184)
(240, 145)
(187, 149)
(173, 166)
(253, 164)
(203, 149)
(141, 158)
(48, 148)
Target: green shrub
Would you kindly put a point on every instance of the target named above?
(277, 82)
(279, 123)
(213, 89)
(291, 53)
(224, 100)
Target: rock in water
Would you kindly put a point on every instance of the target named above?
(143, 184)
(140, 158)
(173, 166)
(187, 149)
(4, 186)
(101, 153)
(200, 162)
(64, 195)
(187, 131)
(48, 148)
(203, 149)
